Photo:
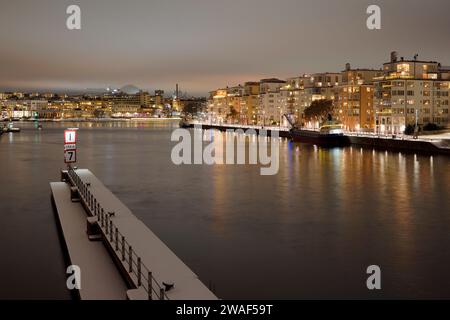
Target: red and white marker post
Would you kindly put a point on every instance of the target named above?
(70, 146)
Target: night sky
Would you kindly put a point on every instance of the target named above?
(205, 44)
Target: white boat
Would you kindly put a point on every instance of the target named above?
(10, 128)
(332, 128)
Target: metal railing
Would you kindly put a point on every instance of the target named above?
(398, 136)
(242, 126)
(140, 274)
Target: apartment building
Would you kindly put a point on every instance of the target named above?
(383, 100)
(236, 104)
(249, 103)
(157, 100)
(123, 104)
(234, 100)
(353, 102)
(292, 97)
(23, 108)
(411, 92)
(299, 92)
(354, 107)
(271, 106)
(218, 107)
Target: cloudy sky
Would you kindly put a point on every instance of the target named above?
(204, 44)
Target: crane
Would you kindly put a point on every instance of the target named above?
(291, 122)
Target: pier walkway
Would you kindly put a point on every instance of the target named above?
(150, 269)
(99, 276)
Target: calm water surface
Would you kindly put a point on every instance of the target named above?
(308, 232)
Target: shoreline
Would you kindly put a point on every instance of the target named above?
(381, 142)
(428, 144)
(92, 120)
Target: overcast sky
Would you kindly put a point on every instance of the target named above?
(204, 44)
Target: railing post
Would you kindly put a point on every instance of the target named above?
(139, 271)
(161, 294)
(111, 230)
(130, 257)
(150, 284)
(123, 248)
(102, 215)
(107, 224)
(117, 239)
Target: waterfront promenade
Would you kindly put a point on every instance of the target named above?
(439, 143)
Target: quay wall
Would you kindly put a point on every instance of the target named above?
(284, 133)
(385, 143)
(400, 144)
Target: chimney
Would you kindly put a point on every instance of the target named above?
(394, 56)
(348, 67)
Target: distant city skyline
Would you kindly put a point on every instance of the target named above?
(204, 45)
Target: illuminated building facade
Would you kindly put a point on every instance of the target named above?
(354, 99)
(411, 92)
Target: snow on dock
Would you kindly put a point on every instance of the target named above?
(99, 276)
(150, 268)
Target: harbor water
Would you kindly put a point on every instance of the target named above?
(308, 232)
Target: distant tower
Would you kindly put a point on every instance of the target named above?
(176, 99)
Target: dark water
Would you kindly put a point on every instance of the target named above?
(308, 232)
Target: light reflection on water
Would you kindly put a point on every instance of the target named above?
(308, 232)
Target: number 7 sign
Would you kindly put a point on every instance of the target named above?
(70, 156)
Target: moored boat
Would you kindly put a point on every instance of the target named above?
(331, 134)
(10, 128)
